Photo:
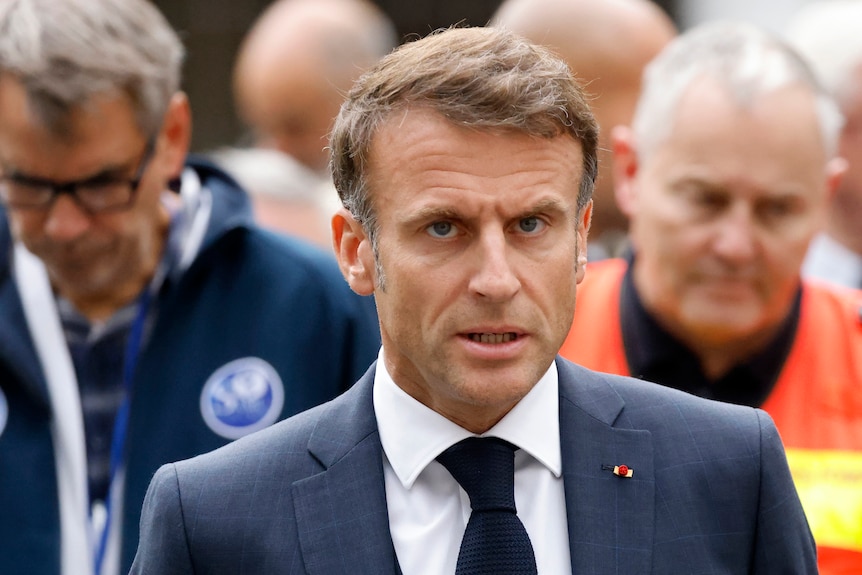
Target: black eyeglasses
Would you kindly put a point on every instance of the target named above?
(95, 195)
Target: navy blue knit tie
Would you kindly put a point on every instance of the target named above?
(495, 542)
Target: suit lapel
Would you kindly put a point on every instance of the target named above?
(341, 513)
(611, 519)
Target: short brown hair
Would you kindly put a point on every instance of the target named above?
(486, 78)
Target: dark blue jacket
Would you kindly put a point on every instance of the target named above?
(249, 293)
(710, 493)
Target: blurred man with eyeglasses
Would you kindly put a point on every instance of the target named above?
(144, 317)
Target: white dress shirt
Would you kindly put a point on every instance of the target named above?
(428, 510)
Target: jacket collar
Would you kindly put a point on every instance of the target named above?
(231, 208)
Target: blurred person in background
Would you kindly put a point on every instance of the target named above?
(291, 74)
(606, 43)
(297, 63)
(286, 196)
(827, 34)
(145, 317)
(726, 175)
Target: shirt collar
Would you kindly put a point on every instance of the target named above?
(413, 435)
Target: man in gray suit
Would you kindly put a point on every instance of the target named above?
(465, 163)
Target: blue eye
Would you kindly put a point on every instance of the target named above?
(441, 229)
(531, 225)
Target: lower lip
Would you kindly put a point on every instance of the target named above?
(495, 351)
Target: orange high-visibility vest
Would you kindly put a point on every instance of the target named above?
(816, 402)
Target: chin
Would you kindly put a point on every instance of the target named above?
(497, 390)
(727, 327)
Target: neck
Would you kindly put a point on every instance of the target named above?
(100, 307)
(718, 356)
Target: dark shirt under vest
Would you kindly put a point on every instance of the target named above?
(655, 355)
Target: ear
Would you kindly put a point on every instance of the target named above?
(625, 167)
(175, 136)
(353, 251)
(584, 218)
(835, 170)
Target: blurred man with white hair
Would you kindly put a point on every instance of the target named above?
(725, 176)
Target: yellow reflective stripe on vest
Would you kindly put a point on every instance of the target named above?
(830, 487)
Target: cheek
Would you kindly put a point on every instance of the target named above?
(553, 284)
(122, 225)
(784, 255)
(659, 236)
(26, 226)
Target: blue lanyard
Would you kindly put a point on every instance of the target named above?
(121, 424)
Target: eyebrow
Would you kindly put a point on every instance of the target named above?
(109, 172)
(433, 212)
(549, 205)
(787, 190)
(428, 213)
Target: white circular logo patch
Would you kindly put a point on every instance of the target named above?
(4, 411)
(242, 396)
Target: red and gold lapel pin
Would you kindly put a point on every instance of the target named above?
(620, 470)
(623, 470)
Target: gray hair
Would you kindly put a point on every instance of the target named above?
(745, 60)
(828, 34)
(485, 78)
(65, 52)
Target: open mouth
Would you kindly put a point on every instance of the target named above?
(493, 337)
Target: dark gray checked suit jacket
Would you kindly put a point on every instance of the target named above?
(711, 491)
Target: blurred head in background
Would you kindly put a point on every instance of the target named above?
(725, 176)
(296, 65)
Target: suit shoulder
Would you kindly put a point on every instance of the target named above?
(643, 404)
(283, 445)
(288, 447)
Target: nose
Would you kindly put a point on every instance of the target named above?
(66, 220)
(495, 278)
(736, 235)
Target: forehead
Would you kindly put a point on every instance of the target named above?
(773, 137)
(420, 148)
(101, 130)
